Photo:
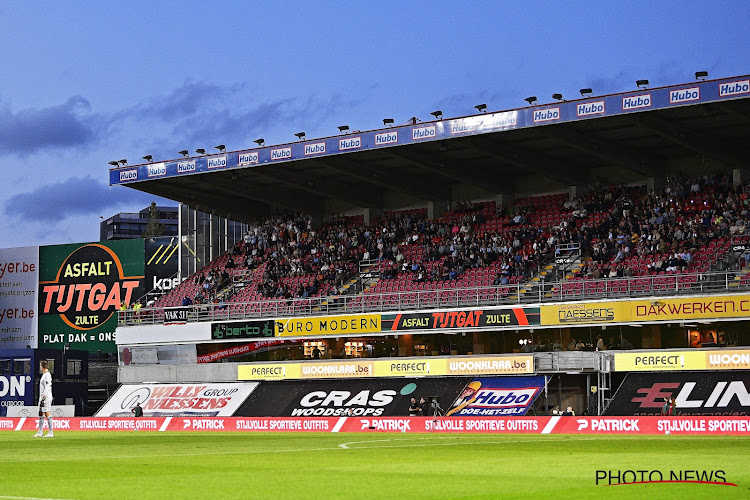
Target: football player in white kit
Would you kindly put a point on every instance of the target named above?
(45, 400)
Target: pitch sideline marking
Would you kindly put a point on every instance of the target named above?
(31, 498)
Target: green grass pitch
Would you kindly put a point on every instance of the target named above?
(146, 465)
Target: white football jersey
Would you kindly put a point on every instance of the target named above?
(45, 386)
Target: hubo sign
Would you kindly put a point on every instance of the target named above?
(81, 287)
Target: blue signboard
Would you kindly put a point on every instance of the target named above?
(497, 396)
(16, 379)
(562, 112)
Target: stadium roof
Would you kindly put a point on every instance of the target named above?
(687, 129)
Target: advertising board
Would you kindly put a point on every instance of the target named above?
(81, 287)
(695, 393)
(178, 400)
(19, 275)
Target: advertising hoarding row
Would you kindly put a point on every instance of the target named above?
(642, 311)
(724, 359)
(577, 314)
(695, 426)
(415, 367)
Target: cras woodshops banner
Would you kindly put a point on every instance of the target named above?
(81, 287)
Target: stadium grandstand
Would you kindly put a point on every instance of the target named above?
(569, 232)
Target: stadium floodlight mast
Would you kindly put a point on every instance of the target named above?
(437, 114)
(701, 75)
(343, 128)
(482, 108)
(585, 92)
(123, 162)
(300, 136)
(114, 163)
(387, 121)
(531, 100)
(221, 147)
(148, 158)
(641, 84)
(200, 151)
(260, 142)
(184, 153)
(559, 97)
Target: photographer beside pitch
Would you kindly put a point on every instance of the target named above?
(45, 400)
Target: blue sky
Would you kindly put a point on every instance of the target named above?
(84, 83)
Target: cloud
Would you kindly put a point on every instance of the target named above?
(73, 196)
(30, 130)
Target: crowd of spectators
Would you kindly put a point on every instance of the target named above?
(665, 228)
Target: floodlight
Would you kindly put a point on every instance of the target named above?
(584, 92)
(641, 83)
(531, 100)
(184, 153)
(701, 75)
(260, 142)
(114, 163)
(437, 114)
(343, 128)
(123, 162)
(300, 135)
(148, 158)
(221, 148)
(387, 121)
(557, 96)
(481, 108)
(200, 151)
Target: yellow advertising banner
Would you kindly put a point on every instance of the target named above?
(724, 306)
(724, 359)
(269, 371)
(388, 367)
(328, 325)
(641, 311)
(660, 361)
(582, 313)
(497, 365)
(728, 360)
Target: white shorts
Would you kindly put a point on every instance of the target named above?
(46, 406)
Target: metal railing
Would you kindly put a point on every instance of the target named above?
(484, 296)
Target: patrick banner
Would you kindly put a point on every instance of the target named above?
(738, 426)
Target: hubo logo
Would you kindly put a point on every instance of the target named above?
(185, 166)
(546, 115)
(423, 133)
(157, 170)
(350, 143)
(128, 175)
(685, 95)
(315, 149)
(386, 138)
(636, 102)
(89, 287)
(734, 88)
(590, 108)
(462, 127)
(281, 154)
(245, 158)
(217, 162)
(13, 386)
